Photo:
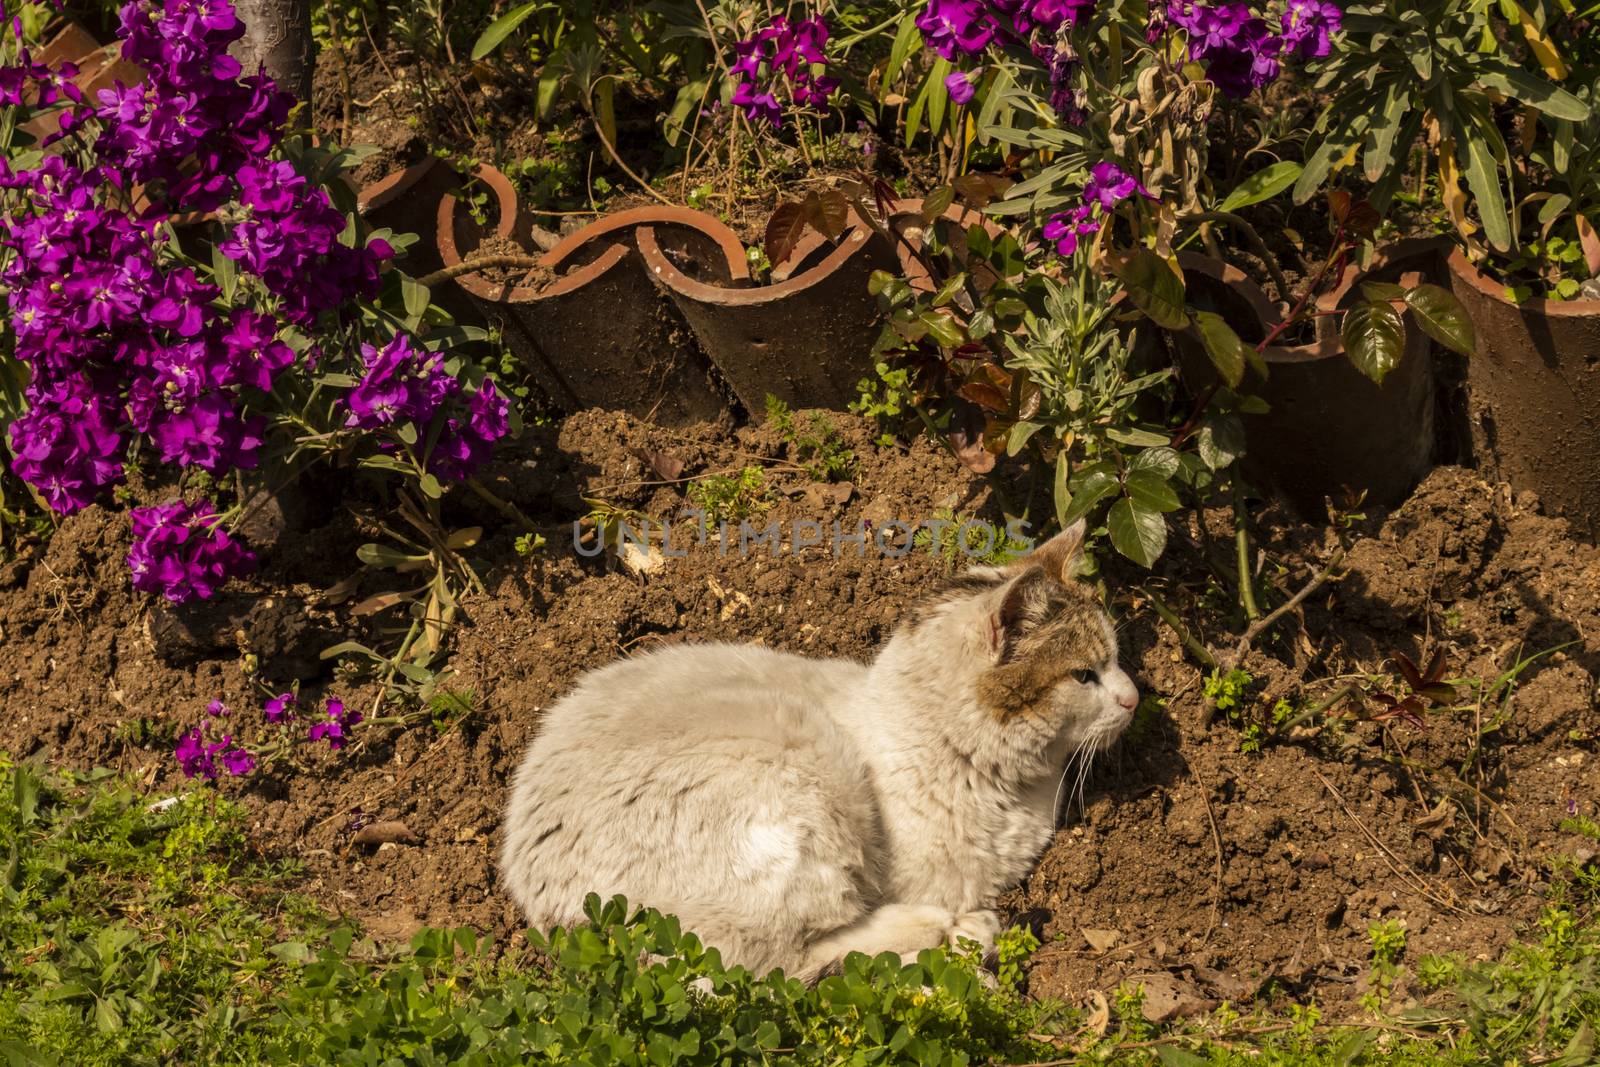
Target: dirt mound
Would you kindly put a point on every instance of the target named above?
(1207, 872)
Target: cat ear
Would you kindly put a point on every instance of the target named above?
(1004, 620)
(1058, 557)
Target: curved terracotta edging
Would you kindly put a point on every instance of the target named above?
(1534, 393)
(1330, 430)
(806, 340)
(598, 333)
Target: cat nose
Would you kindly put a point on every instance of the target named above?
(1123, 691)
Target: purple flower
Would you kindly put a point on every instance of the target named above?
(181, 551)
(1067, 229)
(280, 708)
(197, 758)
(1110, 185)
(217, 709)
(962, 86)
(956, 27)
(1239, 50)
(465, 444)
(401, 384)
(782, 52)
(333, 729)
(1309, 26)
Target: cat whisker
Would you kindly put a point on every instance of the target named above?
(1055, 807)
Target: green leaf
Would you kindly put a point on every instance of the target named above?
(1227, 352)
(1138, 532)
(1533, 90)
(1063, 494)
(1221, 440)
(903, 41)
(376, 555)
(1379, 156)
(1019, 436)
(1089, 487)
(1374, 338)
(1383, 291)
(1154, 289)
(1161, 460)
(1442, 318)
(1136, 437)
(1483, 178)
(430, 485)
(415, 297)
(1263, 185)
(1150, 489)
(501, 28)
(1316, 169)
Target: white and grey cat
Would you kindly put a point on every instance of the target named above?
(792, 810)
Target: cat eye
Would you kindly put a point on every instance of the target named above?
(1086, 677)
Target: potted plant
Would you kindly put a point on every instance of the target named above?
(1112, 116)
(1504, 99)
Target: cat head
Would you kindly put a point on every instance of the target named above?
(1035, 649)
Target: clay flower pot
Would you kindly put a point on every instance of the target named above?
(588, 323)
(805, 339)
(1534, 393)
(1331, 429)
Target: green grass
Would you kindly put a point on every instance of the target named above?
(138, 936)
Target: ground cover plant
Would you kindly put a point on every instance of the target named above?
(1353, 821)
(111, 956)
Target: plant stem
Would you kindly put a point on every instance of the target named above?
(1170, 617)
(472, 266)
(1241, 536)
(1258, 628)
(611, 151)
(504, 507)
(1268, 260)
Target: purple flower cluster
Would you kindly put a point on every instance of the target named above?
(290, 239)
(334, 729)
(194, 121)
(955, 28)
(118, 339)
(181, 551)
(1240, 50)
(1108, 186)
(1308, 27)
(208, 760)
(792, 50)
(405, 384)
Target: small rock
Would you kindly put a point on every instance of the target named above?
(1102, 940)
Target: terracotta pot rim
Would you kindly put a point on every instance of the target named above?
(394, 185)
(853, 243)
(614, 225)
(1327, 345)
(1468, 272)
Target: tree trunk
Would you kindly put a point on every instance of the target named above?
(277, 36)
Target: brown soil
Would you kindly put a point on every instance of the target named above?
(1207, 872)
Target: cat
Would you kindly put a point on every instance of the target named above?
(790, 811)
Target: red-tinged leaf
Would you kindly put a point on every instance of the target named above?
(1435, 671)
(667, 467)
(984, 395)
(998, 376)
(1386, 699)
(828, 212)
(1408, 670)
(784, 230)
(979, 190)
(1339, 201)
